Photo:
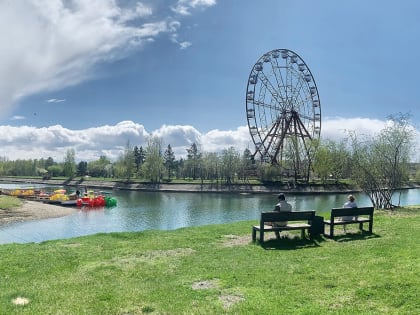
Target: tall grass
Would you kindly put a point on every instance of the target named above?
(218, 270)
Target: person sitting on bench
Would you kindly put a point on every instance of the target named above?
(282, 205)
(350, 203)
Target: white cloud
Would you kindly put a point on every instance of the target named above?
(182, 45)
(28, 142)
(141, 10)
(17, 117)
(337, 128)
(218, 140)
(184, 7)
(52, 44)
(55, 100)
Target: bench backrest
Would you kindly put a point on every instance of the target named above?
(338, 212)
(273, 216)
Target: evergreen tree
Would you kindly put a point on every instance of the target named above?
(193, 161)
(247, 167)
(139, 157)
(169, 158)
(82, 168)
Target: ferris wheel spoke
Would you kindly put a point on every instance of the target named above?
(305, 117)
(297, 92)
(265, 105)
(278, 74)
(267, 83)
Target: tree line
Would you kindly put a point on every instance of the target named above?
(379, 165)
(152, 163)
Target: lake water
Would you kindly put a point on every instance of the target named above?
(137, 211)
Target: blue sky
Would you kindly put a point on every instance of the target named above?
(91, 75)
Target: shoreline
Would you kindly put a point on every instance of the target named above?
(33, 210)
(191, 187)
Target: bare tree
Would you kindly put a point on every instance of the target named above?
(380, 164)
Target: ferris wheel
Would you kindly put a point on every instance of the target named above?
(283, 109)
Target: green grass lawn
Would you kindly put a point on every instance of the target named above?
(218, 270)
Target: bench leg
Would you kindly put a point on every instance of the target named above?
(261, 236)
(361, 226)
(302, 233)
(331, 230)
(370, 226)
(254, 235)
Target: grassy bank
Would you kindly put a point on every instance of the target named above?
(215, 270)
(9, 202)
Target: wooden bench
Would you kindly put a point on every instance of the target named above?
(359, 216)
(305, 217)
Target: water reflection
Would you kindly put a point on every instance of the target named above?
(138, 211)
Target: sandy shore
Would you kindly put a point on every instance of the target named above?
(33, 210)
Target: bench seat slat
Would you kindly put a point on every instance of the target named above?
(290, 226)
(340, 222)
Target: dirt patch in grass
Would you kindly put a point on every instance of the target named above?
(71, 245)
(236, 240)
(20, 301)
(149, 257)
(153, 254)
(229, 300)
(205, 284)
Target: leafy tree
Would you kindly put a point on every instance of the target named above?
(48, 162)
(381, 163)
(211, 166)
(417, 174)
(340, 160)
(332, 160)
(230, 163)
(69, 165)
(125, 165)
(269, 172)
(55, 170)
(322, 163)
(153, 165)
(21, 168)
(100, 167)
